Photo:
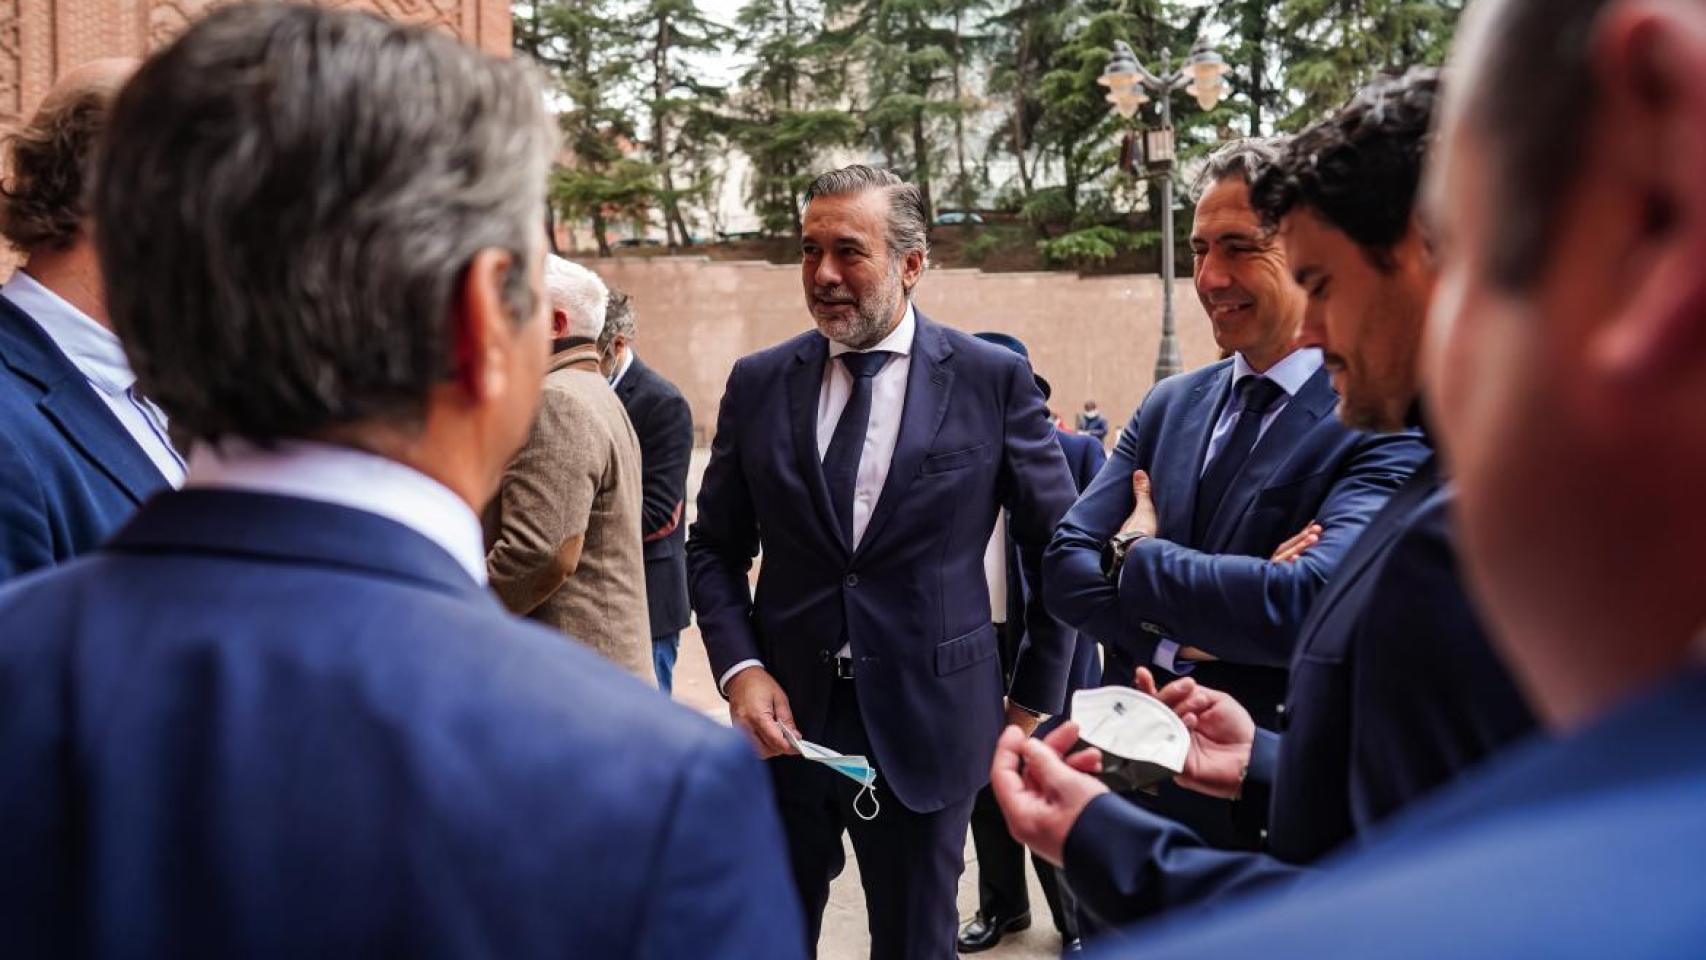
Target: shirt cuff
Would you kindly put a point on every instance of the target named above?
(1167, 658)
(729, 674)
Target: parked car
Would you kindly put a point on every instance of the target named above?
(957, 218)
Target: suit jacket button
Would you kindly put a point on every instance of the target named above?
(852, 580)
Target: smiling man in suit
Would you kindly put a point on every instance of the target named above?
(80, 447)
(868, 459)
(1166, 558)
(278, 714)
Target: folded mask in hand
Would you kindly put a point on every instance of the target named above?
(855, 768)
(1143, 742)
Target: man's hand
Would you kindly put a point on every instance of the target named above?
(758, 706)
(1289, 551)
(1142, 519)
(1041, 794)
(1222, 734)
(1025, 720)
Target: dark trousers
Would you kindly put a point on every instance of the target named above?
(909, 862)
(1001, 889)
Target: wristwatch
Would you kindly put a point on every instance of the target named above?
(1114, 551)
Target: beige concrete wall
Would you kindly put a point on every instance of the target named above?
(1090, 337)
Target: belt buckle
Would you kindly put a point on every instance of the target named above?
(843, 668)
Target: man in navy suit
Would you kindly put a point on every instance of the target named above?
(80, 447)
(1003, 897)
(1166, 558)
(664, 423)
(1362, 739)
(1566, 369)
(868, 459)
(278, 714)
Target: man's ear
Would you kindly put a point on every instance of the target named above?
(1649, 60)
(911, 269)
(484, 331)
(559, 323)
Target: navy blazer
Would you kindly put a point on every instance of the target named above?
(1395, 691)
(1084, 457)
(264, 726)
(664, 424)
(70, 473)
(1586, 846)
(912, 599)
(1222, 595)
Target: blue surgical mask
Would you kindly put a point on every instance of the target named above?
(855, 768)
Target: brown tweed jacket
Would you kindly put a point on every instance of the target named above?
(577, 477)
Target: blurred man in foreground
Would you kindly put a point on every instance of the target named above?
(278, 714)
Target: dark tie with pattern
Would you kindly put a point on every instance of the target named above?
(841, 460)
(1254, 395)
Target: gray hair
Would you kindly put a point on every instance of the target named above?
(908, 227)
(578, 292)
(1245, 159)
(1534, 131)
(292, 198)
(619, 321)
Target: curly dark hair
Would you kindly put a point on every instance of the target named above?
(49, 161)
(1359, 169)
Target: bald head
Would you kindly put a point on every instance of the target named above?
(41, 201)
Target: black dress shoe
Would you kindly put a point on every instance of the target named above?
(984, 932)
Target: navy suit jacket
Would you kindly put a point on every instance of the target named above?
(912, 599)
(264, 726)
(664, 424)
(1587, 846)
(1084, 457)
(1221, 595)
(69, 472)
(1395, 692)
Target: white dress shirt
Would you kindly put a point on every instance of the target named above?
(882, 431)
(348, 478)
(622, 370)
(97, 354)
(995, 569)
(1290, 375)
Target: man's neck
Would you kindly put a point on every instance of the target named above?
(1264, 360)
(73, 276)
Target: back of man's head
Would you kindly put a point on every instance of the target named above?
(578, 294)
(49, 160)
(300, 208)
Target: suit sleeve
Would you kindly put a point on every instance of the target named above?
(545, 501)
(1037, 489)
(1126, 864)
(26, 543)
(722, 542)
(1073, 585)
(1246, 609)
(722, 887)
(666, 448)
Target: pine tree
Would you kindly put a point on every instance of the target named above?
(678, 102)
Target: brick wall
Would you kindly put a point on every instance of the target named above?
(1091, 338)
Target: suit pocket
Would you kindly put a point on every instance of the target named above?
(956, 460)
(961, 652)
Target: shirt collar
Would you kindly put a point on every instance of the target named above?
(898, 341)
(1291, 373)
(93, 349)
(348, 478)
(622, 371)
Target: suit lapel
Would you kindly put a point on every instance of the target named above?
(929, 383)
(805, 383)
(1370, 545)
(1178, 508)
(1275, 447)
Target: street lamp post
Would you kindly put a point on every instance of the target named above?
(1130, 85)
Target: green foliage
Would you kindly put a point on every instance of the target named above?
(1093, 245)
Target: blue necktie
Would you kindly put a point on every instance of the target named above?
(1254, 395)
(841, 460)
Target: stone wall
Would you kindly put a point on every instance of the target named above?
(1089, 337)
